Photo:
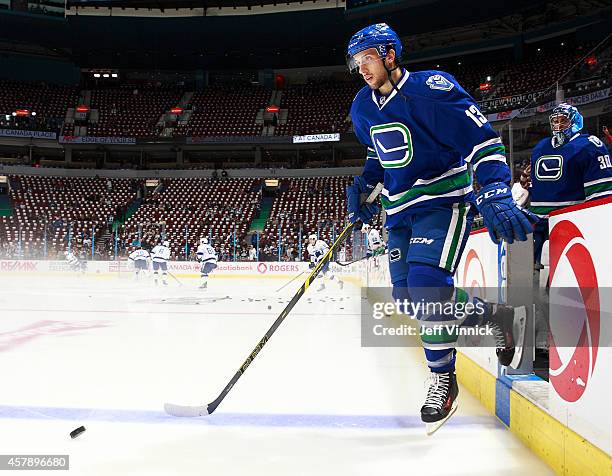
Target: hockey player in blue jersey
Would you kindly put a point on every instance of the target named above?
(421, 130)
(566, 169)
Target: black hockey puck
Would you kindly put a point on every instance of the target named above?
(269, 307)
(77, 432)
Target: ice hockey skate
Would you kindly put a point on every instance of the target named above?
(508, 326)
(441, 400)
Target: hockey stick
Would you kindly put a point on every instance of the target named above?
(350, 262)
(175, 278)
(292, 279)
(195, 411)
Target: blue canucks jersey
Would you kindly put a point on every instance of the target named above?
(420, 145)
(577, 171)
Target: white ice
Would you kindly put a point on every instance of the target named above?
(107, 353)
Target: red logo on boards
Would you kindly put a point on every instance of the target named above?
(262, 267)
(473, 273)
(570, 376)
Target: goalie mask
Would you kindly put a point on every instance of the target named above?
(565, 122)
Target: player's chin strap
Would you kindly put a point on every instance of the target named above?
(389, 71)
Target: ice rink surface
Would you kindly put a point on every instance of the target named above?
(107, 353)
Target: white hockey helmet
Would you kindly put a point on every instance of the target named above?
(312, 238)
(166, 243)
(365, 228)
(203, 241)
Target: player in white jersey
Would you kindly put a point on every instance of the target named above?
(208, 257)
(140, 257)
(75, 263)
(376, 246)
(160, 255)
(316, 250)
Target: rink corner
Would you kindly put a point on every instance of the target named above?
(566, 452)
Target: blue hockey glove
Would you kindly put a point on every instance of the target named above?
(356, 210)
(311, 264)
(502, 216)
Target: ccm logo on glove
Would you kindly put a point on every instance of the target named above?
(491, 193)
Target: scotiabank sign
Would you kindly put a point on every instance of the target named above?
(235, 267)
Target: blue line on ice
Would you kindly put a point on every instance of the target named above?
(383, 422)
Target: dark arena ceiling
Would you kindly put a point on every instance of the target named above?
(294, 38)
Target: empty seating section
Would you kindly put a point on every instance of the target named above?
(536, 74)
(473, 75)
(313, 205)
(225, 111)
(183, 211)
(130, 112)
(320, 107)
(49, 102)
(218, 111)
(59, 207)
(188, 209)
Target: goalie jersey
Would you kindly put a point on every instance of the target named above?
(577, 171)
(419, 143)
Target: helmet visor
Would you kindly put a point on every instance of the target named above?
(363, 58)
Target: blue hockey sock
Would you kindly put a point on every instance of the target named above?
(430, 285)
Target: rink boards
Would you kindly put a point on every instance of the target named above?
(566, 423)
(123, 268)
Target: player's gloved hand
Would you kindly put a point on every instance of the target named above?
(502, 216)
(311, 264)
(356, 210)
(379, 251)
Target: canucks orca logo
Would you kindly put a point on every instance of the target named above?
(393, 144)
(395, 255)
(549, 167)
(595, 140)
(437, 81)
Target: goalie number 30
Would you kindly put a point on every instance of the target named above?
(475, 115)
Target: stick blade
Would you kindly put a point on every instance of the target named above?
(520, 321)
(185, 410)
